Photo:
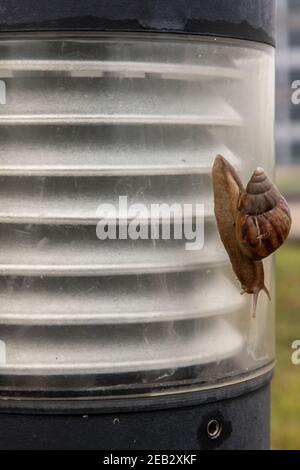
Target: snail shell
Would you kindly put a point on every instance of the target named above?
(263, 220)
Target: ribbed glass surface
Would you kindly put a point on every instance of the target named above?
(86, 120)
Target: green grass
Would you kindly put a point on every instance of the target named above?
(287, 179)
(285, 423)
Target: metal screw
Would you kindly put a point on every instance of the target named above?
(214, 428)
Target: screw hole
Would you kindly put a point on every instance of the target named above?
(214, 428)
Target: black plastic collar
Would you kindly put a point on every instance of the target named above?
(241, 19)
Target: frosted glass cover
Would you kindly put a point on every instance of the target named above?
(84, 121)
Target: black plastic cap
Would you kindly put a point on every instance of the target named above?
(241, 19)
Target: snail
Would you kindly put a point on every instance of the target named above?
(252, 222)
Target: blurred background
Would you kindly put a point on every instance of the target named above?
(286, 384)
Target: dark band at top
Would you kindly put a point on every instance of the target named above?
(241, 19)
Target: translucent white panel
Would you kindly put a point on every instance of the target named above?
(76, 200)
(88, 120)
(124, 69)
(107, 100)
(76, 251)
(111, 55)
(116, 300)
(108, 150)
(138, 348)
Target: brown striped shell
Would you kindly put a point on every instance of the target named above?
(263, 218)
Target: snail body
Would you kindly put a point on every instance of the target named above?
(252, 222)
